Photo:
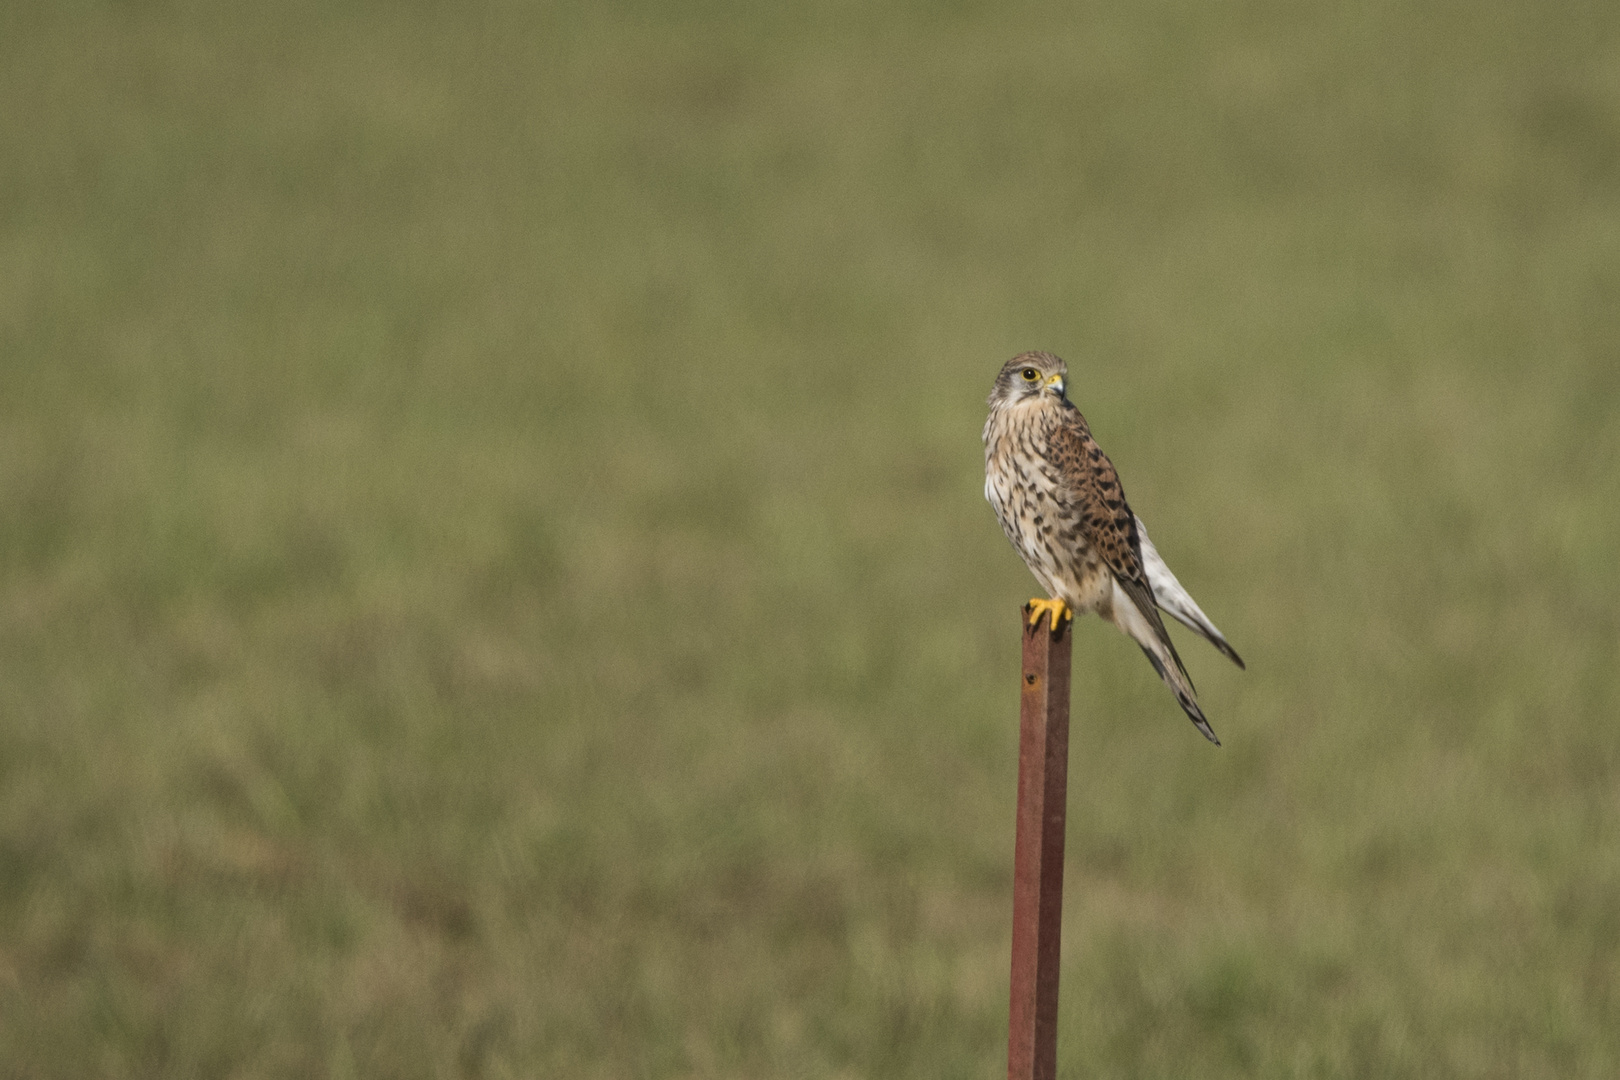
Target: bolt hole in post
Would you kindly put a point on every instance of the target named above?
(1043, 780)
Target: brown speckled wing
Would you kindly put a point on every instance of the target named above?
(1106, 519)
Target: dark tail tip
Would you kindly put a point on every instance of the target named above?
(1196, 715)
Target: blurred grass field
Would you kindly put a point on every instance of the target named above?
(494, 579)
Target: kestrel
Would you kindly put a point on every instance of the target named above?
(1060, 502)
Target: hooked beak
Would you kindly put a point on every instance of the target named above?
(1056, 382)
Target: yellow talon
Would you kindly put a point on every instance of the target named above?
(1057, 608)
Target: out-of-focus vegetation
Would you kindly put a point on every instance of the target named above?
(494, 579)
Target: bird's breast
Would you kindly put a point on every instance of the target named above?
(1038, 515)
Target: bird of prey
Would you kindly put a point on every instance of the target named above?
(1060, 502)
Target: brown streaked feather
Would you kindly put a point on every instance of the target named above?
(1106, 519)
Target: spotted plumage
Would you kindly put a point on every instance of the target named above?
(1061, 504)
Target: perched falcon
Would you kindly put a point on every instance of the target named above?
(1060, 502)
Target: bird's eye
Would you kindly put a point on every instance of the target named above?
(1030, 374)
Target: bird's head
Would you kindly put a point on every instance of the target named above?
(1028, 378)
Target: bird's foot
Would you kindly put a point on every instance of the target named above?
(1056, 608)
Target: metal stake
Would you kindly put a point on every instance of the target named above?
(1043, 780)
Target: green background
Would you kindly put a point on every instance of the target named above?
(494, 579)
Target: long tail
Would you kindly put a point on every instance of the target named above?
(1155, 643)
(1174, 601)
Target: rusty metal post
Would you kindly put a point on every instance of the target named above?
(1043, 782)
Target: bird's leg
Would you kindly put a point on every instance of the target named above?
(1058, 609)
